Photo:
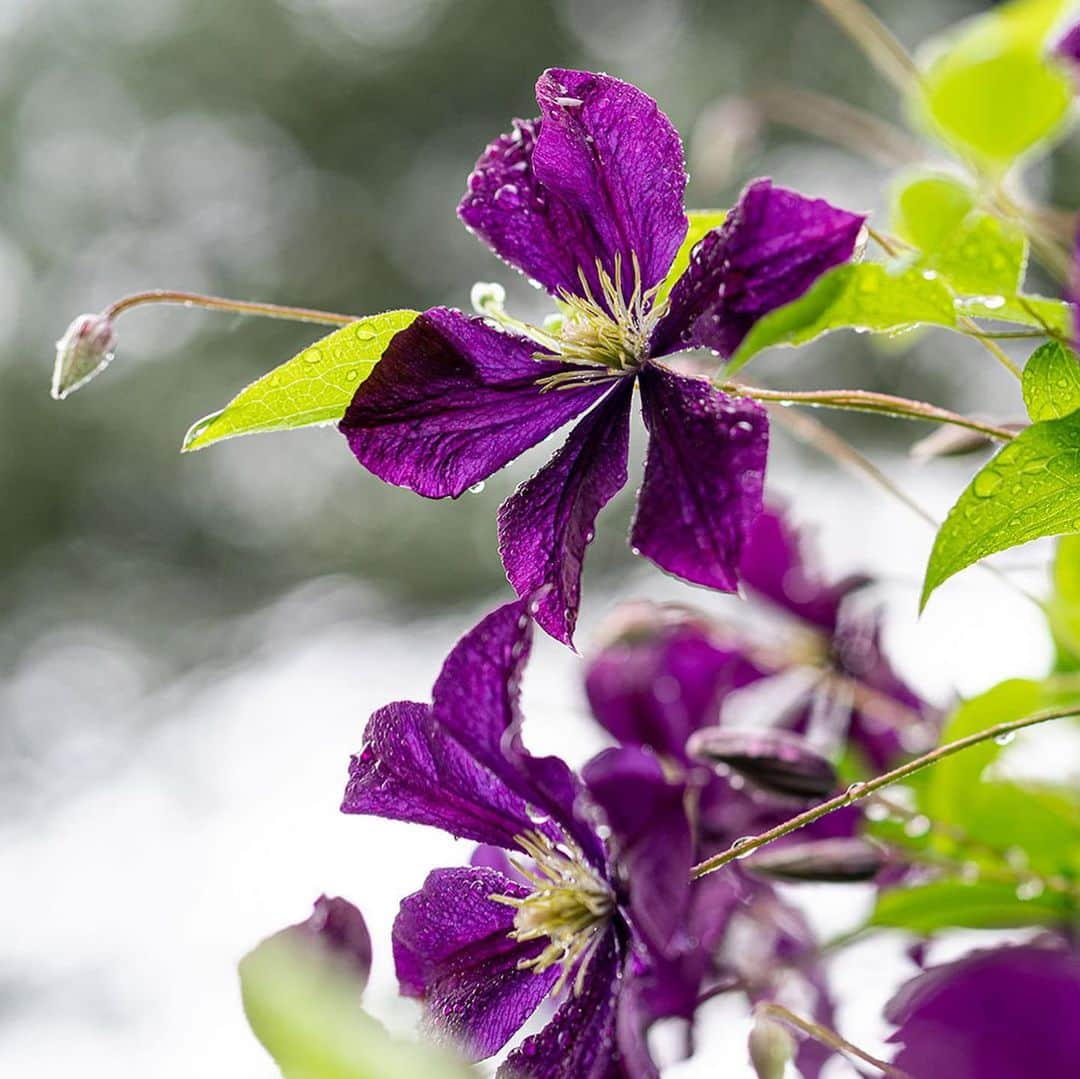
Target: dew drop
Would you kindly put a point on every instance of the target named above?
(742, 841)
(362, 333)
(1005, 739)
(856, 790)
(477, 488)
(986, 483)
(313, 355)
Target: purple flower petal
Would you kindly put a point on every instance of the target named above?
(773, 565)
(607, 149)
(1069, 45)
(452, 949)
(650, 834)
(338, 930)
(412, 770)
(704, 475)
(1004, 1014)
(476, 699)
(771, 248)
(453, 400)
(662, 677)
(545, 526)
(600, 174)
(579, 1042)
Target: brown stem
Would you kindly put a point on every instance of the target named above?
(830, 1038)
(220, 303)
(869, 401)
(857, 791)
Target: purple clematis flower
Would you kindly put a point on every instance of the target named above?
(587, 200)
(1003, 1014)
(593, 916)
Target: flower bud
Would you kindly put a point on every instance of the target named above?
(85, 349)
(771, 1047)
(822, 861)
(776, 761)
(948, 441)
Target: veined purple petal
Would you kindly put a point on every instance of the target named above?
(337, 930)
(452, 949)
(580, 1040)
(476, 699)
(546, 525)
(704, 475)
(412, 770)
(607, 150)
(773, 245)
(452, 400)
(661, 677)
(650, 834)
(773, 564)
(1003, 1014)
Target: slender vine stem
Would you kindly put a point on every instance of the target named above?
(875, 39)
(857, 791)
(869, 401)
(830, 1038)
(220, 303)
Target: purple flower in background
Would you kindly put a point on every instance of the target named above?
(595, 917)
(587, 200)
(1004, 1014)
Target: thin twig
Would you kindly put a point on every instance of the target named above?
(220, 303)
(830, 1038)
(857, 791)
(870, 401)
(876, 40)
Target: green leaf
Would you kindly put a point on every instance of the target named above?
(312, 388)
(975, 252)
(701, 222)
(1052, 382)
(1029, 490)
(863, 296)
(1038, 312)
(1063, 606)
(950, 903)
(990, 89)
(306, 1011)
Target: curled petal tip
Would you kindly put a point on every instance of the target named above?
(776, 761)
(85, 350)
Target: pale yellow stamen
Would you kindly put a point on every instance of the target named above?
(570, 906)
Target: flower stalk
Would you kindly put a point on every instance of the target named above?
(221, 303)
(858, 791)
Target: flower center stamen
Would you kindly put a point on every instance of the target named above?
(570, 906)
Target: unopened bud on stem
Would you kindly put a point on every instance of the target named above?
(85, 349)
(771, 1047)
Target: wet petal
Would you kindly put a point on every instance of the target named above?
(476, 699)
(580, 1040)
(599, 175)
(650, 835)
(452, 949)
(774, 565)
(452, 400)
(703, 477)
(412, 770)
(607, 150)
(546, 525)
(1003, 1014)
(773, 245)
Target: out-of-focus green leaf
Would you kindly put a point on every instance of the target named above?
(990, 90)
(306, 1011)
(312, 388)
(946, 904)
(865, 296)
(1029, 490)
(976, 253)
(701, 222)
(1063, 606)
(1052, 382)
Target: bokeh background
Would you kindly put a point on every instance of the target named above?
(189, 646)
